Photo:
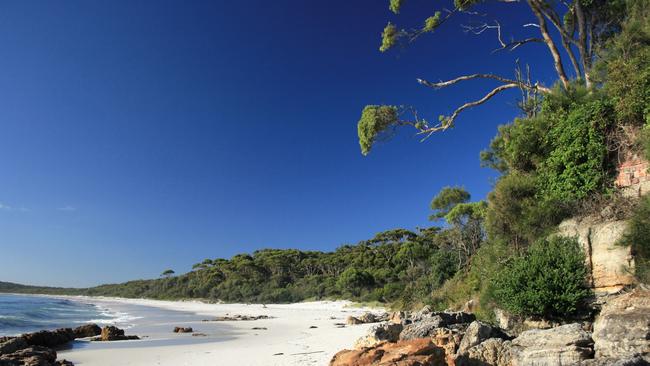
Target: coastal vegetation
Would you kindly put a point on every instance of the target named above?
(558, 159)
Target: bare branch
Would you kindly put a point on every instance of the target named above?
(447, 122)
(557, 60)
(443, 84)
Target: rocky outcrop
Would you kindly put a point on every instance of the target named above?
(88, 330)
(623, 327)
(610, 266)
(636, 360)
(478, 332)
(36, 349)
(417, 352)
(111, 333)
(379, 333)
(563, 345)
(46, 338)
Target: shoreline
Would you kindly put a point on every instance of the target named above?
(295, 334)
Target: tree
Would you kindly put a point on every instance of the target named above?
(465, 219)
(167, 273)
(581, 26)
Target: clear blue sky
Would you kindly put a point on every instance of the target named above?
(143, 135)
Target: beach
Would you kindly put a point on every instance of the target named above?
(294, 334)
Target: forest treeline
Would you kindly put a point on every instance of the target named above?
(557, 160)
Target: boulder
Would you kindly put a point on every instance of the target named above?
(416, 352)
(11, 345)
(478, 332)
(46, 338)
(564, 345)
(493, 351)
(111, 333)
(378, 333)
(184, 330)
(88, 330)
(30, 356)
(423, 325)
(622, 328)
(368, 318)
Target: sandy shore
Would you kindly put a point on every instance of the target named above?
(298, 334)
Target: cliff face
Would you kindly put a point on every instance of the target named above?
(611, 266)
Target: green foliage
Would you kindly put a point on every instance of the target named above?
(515, 213)
(447, 199)
(354, 281)
(374, 120)
(388, 37)
(549, 280)
(637, 236)
(167, 273)
(395, 5)
(625, 67)
(432, 22)
(578, 163)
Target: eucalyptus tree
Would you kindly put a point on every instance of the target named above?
(570, 30)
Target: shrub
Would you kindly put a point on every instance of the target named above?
(637, 236)
(549, 280)
(517, 215)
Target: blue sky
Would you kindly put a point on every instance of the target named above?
(143, 135)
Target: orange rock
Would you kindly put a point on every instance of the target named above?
(415, 352)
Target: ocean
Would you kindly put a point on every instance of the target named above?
(24, 313)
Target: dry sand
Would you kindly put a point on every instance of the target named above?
(298, 334)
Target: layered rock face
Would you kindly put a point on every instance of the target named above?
(623, 326)
(611, 267)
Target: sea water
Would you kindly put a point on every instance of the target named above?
(25, 313)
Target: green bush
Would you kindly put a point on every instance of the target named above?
(549, 280)
(637, 236)
(516, 214)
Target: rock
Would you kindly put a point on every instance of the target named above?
(398, 317)
(368, 318)
(88, 330)
(183, 330)
(493, 351)
(622, 328)
(353, 321)
(111, 333)
(11, 345)
(30, 356)
(378, 333)
(478, 332)
(448, 340)
(505, 320)
(444, 318)
(563, 345)
(416, 352)
(469, 306)
(238, 318)
(636, 360)
(46, 338)
(611, 266)
(424, 327)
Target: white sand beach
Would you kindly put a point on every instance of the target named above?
(298, 334)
